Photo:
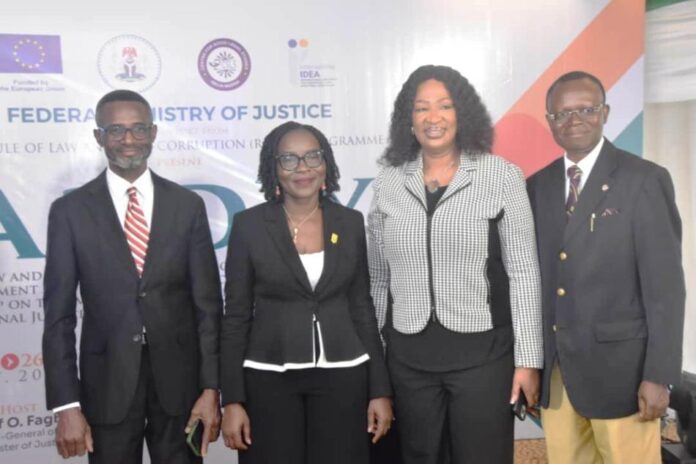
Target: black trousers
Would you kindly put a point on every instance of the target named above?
(388, 449)
(122, 443)
(462, 416)
(312, 416)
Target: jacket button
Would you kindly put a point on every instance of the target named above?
(563, 256)
(561, 292)
(142, 294)
(554, 327)
(136, 338)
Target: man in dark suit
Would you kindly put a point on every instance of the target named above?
(139, 248)
(609, 239)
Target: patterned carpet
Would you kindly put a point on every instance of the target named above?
(530, 452)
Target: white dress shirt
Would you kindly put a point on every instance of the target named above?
(586, 164)
(118, 189)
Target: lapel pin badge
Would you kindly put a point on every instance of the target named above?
(334, 238)
(605, 187)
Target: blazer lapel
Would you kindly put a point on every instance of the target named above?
(163, 215)
(333, 228)
(462, 178)
(414, 177)
(101, 206)
(280, 235)
(593, 192)
(413, 174)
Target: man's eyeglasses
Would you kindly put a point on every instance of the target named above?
(291, 161)
(117, 132)
(583, 114)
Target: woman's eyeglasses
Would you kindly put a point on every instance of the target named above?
(291, 161)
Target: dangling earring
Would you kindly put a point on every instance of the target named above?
(413, 131)
(277, 192)
(323, 189)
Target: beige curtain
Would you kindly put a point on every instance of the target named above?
(670, 129)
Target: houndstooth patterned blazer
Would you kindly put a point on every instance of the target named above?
(483, 187)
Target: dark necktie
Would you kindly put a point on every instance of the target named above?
(574, 175)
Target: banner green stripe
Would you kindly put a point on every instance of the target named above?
(631, 138)
(655, 4)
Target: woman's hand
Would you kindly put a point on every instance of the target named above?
(236, 428)
(527, 380)
(379, 417)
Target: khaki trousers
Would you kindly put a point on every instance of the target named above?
(574, 439)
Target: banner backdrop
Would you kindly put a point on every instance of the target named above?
(220, 75)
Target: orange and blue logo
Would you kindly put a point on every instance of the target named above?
(305, 69)
(302, 43)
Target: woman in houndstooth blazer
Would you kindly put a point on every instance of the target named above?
(454, 274)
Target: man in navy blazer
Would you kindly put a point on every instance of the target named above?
(139, 249)
(609, 240)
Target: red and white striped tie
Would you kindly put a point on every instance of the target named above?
(137, 232)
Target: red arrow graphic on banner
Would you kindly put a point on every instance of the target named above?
(9, 361)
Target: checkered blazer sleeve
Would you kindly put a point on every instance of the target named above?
(379, 268)
(519, 252)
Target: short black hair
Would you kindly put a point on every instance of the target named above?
(474, 128)
(574, 76)
(121, 95)
(268, 176)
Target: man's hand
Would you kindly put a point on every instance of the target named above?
(379, 417)
(207, 410)
(653, 399)
(527, 380)
(236, 428)
(73, 435)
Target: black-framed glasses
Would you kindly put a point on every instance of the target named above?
(117, 132)
(291, 162)
(583, 113)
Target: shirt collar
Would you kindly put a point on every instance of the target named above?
(587, 163)
(118, 186)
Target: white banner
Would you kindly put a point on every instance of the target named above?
(219, 76)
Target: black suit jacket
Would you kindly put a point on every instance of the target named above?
(270, 305)
(620, 317)
(178, 301)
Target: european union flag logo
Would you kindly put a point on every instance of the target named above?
(30, 54)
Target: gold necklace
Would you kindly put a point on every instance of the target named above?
(296, 227)
(434, 184)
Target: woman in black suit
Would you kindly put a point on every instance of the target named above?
(301, 359)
